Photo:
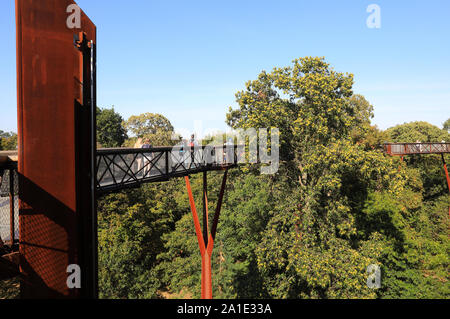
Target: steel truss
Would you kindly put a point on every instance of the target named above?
(122, 168)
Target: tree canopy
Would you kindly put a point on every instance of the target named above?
(110, 130)
(337, 205)
(154, 127)
(8, 141)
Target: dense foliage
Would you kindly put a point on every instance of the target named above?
(337, 205)
(110, 132)
(8, 141)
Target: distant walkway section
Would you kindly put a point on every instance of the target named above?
(401, 149)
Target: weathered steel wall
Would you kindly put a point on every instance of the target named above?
(54, 218)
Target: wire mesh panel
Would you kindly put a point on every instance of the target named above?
(7, 208)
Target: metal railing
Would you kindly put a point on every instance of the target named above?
(120, 168)
(416, 148)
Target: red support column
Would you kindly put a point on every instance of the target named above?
(206, 260)
(206, 249)
(448, 178)
(206, 276)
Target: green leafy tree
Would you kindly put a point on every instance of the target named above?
(308, 102)
(110, 131)
(131, 225)
(8, 141)
(336, 205)
(417, 131)
(446, 125)
(154, 127)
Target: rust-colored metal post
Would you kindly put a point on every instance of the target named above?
(206, 281)
(447, 176)
(446, 172)
(206, 276)
(11, 206)
(55, 94)
(205, 208)
(206, 249)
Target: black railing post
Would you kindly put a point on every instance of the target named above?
(11, 205)
(167, 163)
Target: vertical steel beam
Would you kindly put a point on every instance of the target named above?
(206, 276)
(11, 206)
(206, 249)
(93, 223)
(206, 282)
(446, 172)
(205, 208)
(447, 176)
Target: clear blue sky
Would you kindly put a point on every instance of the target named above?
(187, 59)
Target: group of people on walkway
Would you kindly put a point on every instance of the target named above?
(143, 161)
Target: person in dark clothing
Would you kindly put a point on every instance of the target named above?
(192, 145)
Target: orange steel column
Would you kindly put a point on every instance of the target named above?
(446, 175)
(206, 276)
(206, 249)
(206, 258)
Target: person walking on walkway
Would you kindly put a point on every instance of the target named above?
(192, 145)
(147, 157)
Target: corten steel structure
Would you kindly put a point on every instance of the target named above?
(56, 131)
(403, 149)
(60, 170)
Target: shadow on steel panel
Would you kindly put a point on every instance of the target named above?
(56, 92)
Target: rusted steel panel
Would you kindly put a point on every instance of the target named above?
(49, 75)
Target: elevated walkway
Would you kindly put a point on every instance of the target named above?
(401, 149)
(122, 168)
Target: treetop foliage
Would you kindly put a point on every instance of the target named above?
(337, 205)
